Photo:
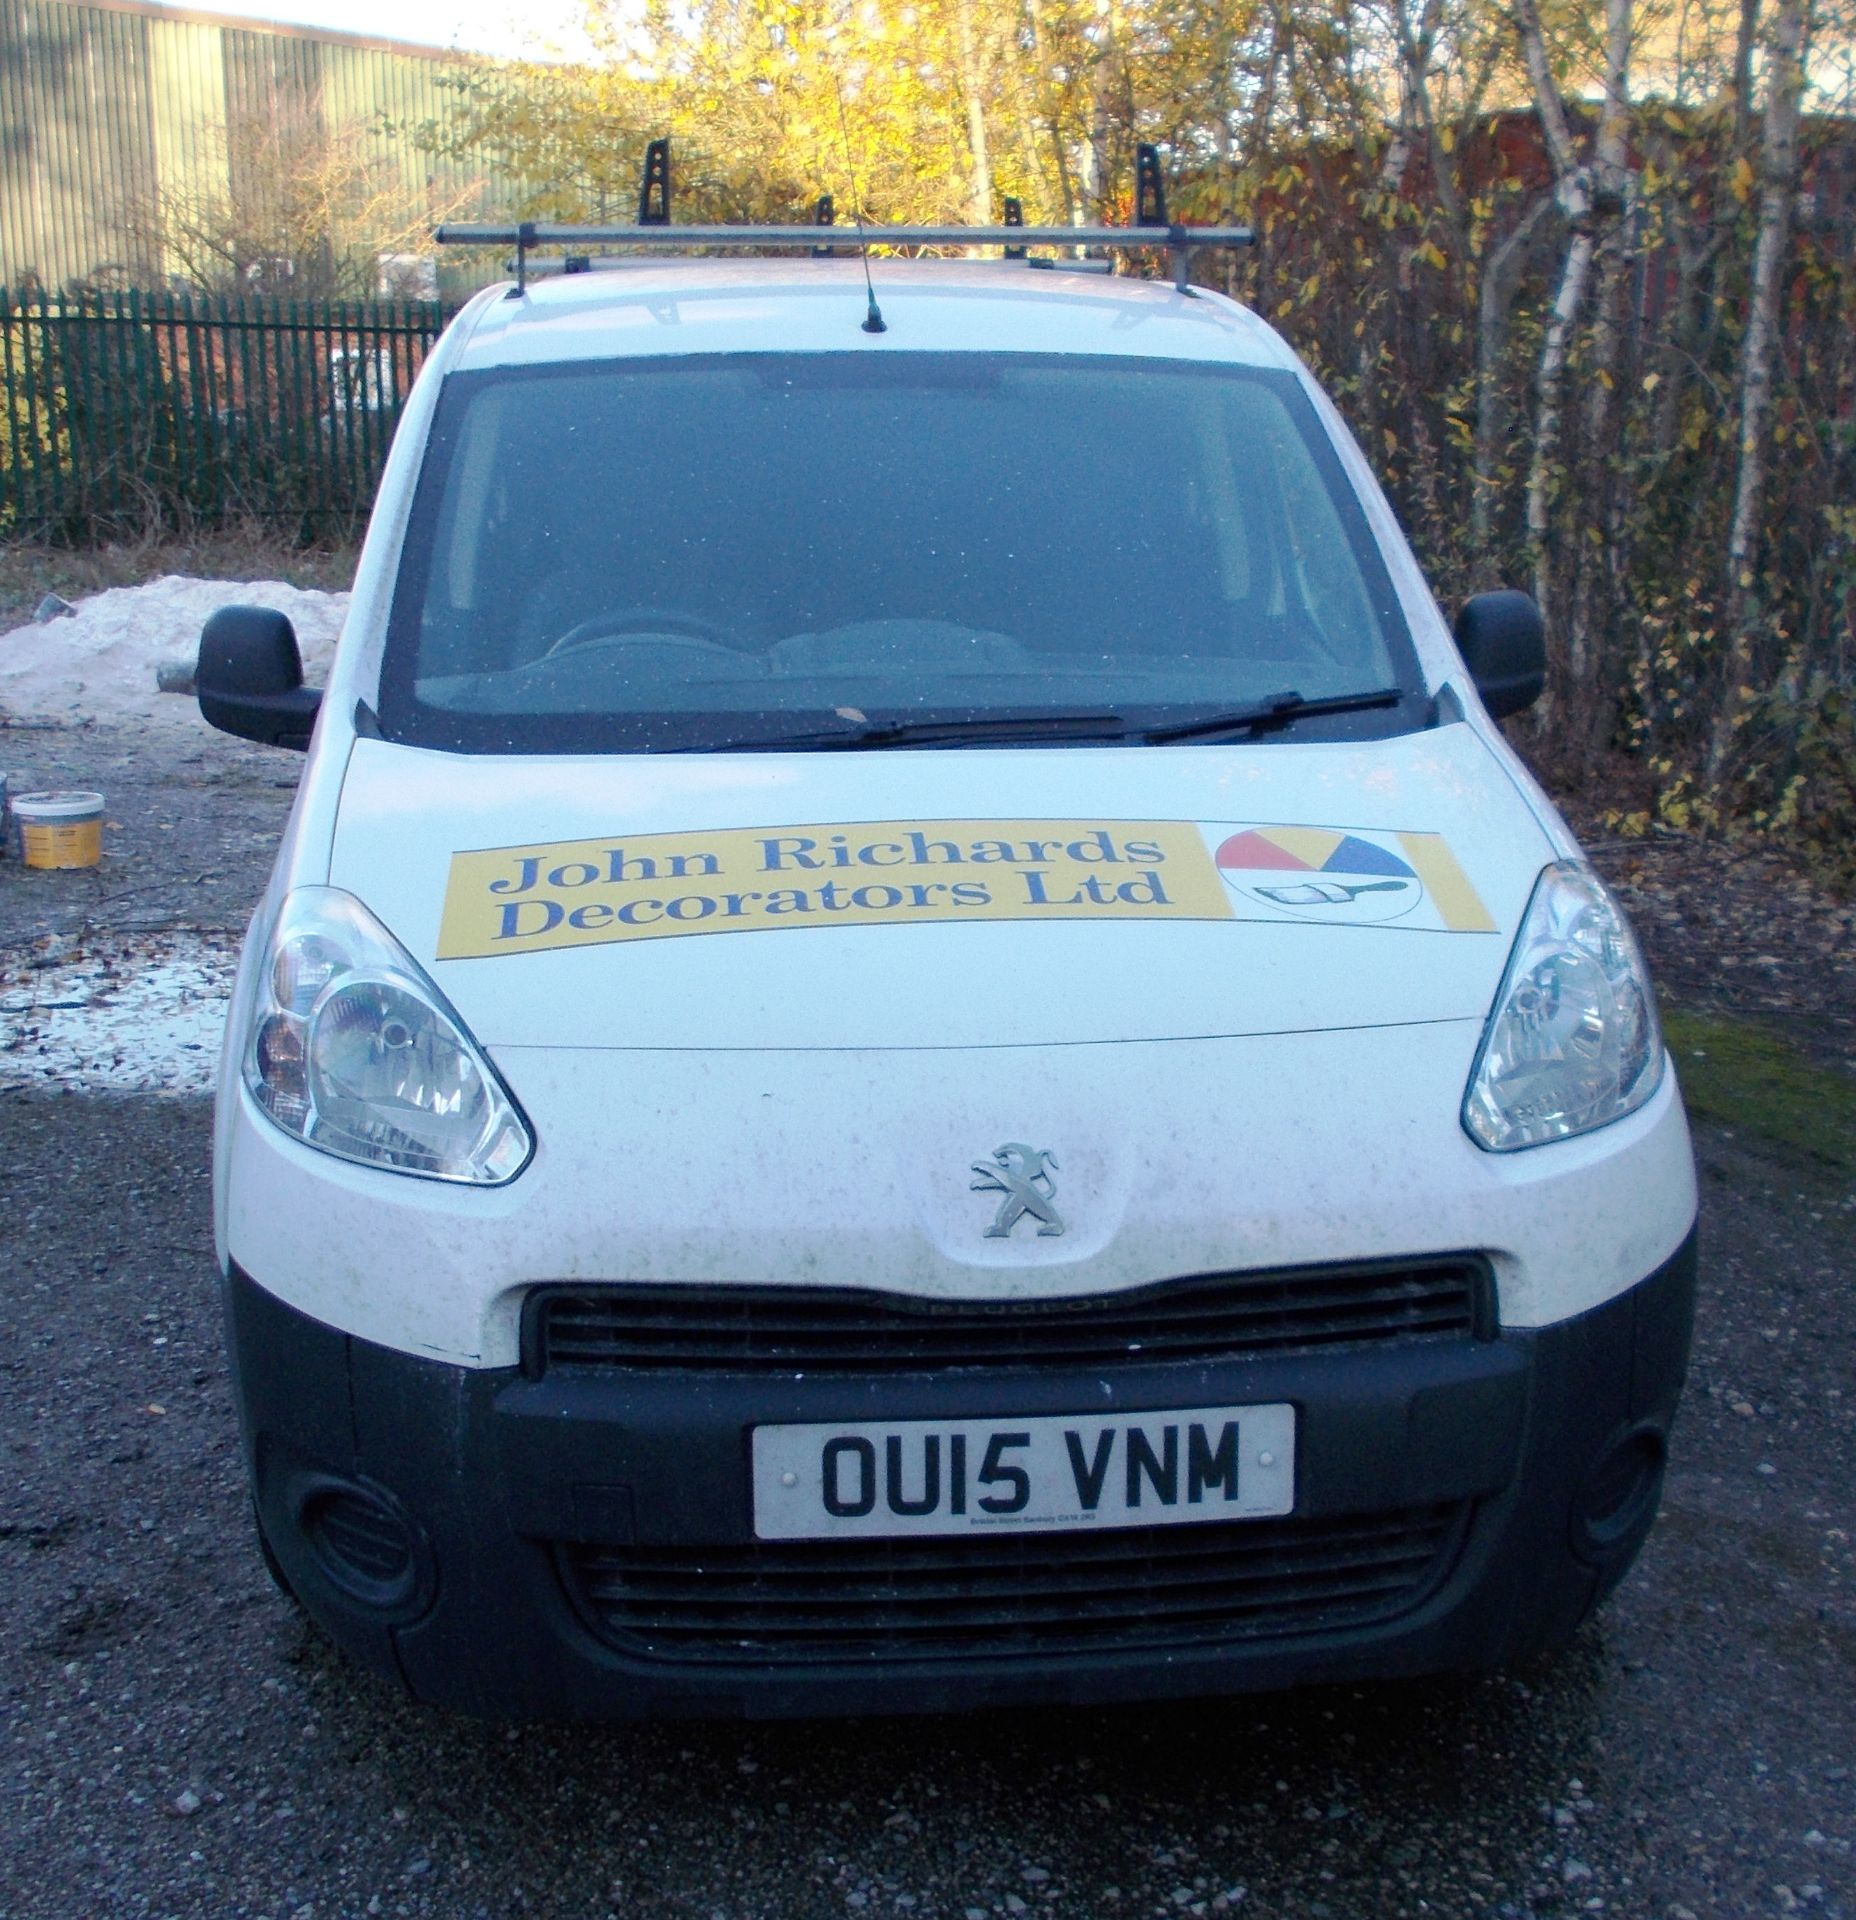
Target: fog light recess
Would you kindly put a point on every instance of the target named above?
(362, 1542)
(1619, 1495)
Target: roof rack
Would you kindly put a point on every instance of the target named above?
(653, 229)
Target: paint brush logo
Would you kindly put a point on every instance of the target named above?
(1318, 873)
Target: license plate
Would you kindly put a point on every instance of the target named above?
(1054, 1471)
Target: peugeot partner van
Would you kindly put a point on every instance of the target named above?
(914, 1044)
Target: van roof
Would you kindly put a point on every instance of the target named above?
(655, 306)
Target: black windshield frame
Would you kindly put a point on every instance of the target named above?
(404, 718)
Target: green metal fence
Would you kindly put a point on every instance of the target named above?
(126, 411)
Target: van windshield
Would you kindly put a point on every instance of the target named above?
(745, 550)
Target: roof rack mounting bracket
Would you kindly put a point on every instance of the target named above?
(1015, 217)
(654, 188)
(1182, 255)
(1149, 187)
(1150, 211)
(825, 214)
(525, 238)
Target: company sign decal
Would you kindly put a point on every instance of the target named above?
(886, 872)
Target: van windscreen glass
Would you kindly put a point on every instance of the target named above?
(619, 556)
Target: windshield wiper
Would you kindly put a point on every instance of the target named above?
(1277, 711)
(929, 733)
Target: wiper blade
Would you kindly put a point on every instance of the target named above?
(1277, 711)
(929, 733)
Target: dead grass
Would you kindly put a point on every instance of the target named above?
(29, 572)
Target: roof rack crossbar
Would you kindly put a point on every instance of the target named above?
(540, 235)
(1181, 242)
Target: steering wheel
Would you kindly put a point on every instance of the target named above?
(690, 629)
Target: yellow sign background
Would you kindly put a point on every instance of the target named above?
(886, 872)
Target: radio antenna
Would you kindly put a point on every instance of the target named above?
(873, 319)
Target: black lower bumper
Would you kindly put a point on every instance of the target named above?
(552, 1547)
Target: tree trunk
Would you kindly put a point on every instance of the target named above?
(1495, 299)
(1744, 43)
(1758, 353)
(1066, 182)
(1593, 667)
(1416, 53)
(971, 85)
(1574, 275)
(1575, 191)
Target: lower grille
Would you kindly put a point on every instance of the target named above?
(812, 1602)
(837, 1330)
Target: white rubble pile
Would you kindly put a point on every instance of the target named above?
(123, 1013)
(101, 662)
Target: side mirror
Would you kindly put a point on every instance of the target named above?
(249, 678)
(1503, 641)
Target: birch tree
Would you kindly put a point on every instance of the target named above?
(1495, 294)
(1573, 192)
(1597, 579)
(1758, 355)
(1574, 189)
(973, 90)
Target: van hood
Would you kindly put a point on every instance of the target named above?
(931, 899)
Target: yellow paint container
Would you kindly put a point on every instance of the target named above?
(63, 829)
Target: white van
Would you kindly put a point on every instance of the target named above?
(914, 1044)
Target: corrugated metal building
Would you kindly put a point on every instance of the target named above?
(106, 103)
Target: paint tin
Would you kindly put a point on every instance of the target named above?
(61, 829)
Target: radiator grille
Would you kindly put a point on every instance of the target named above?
(820, 1330)
(813, 1602)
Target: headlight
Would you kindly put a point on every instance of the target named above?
(353, 1050)
(1574, 1041)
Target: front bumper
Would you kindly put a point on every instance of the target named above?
(464, 1531)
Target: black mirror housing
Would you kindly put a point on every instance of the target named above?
(249, 678)
(1503, 641)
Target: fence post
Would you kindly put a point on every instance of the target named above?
(202, 406)
(33, 352)
(128, 397)
(16, 465)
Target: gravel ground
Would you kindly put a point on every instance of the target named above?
(179, 1743)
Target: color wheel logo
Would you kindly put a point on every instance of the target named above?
(1319, 873)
